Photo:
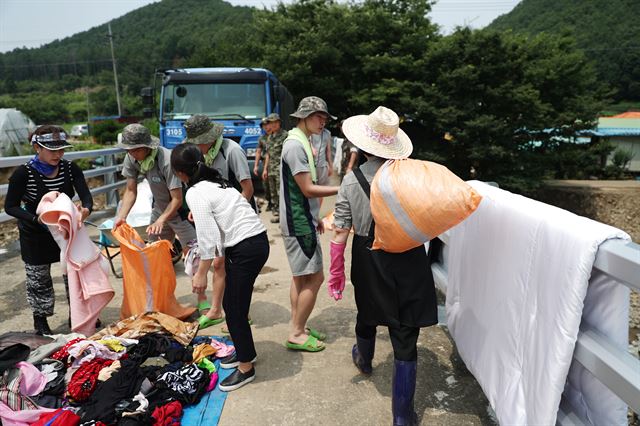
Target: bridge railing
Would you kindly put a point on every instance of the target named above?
(110, 170)
(616, 369)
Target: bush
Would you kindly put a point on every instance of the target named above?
(106, 132)
(621, 158)
(85, 163)
(153, 125)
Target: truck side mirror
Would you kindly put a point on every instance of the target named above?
(147, 112)
(147, 95)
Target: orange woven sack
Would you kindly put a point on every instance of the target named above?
(149, 280)
(414, 201)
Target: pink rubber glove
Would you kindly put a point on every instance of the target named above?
(336, 271)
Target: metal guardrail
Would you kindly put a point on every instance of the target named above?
(110, 170)
(615, 368)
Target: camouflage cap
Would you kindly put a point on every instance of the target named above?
(201, 130)
(137, 136)
(274, 116)
(309, 105)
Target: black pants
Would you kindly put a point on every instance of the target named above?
(404, 339)
(243, 263)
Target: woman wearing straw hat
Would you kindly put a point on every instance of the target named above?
(299, 214)
(47, 171)
(391, 289)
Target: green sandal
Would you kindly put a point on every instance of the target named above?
(311, 345)
(203, 305)
(315, 333)
(206, 322)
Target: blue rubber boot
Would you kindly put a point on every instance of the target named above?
(404, 387)
(362, 354)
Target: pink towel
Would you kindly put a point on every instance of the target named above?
(88, 271)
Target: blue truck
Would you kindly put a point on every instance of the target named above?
(236, 97)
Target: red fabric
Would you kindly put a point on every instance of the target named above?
(84, 379)
(167, 415)
(63, 353)
(62, 418)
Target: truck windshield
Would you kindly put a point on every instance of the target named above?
(219, 100)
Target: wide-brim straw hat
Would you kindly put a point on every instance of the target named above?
(136, 136)
(201, 130)
(378, 134)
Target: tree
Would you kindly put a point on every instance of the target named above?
(354, 55)
(507, 102)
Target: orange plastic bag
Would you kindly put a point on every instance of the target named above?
(414, 201)
(149, 280)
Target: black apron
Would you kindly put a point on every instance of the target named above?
(391, 289)
(37, 246)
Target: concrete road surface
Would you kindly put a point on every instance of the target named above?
(293, 388)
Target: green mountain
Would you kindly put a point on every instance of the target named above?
(608, 32)
(159, 35)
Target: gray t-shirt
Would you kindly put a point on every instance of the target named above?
(298, 214)
(352, 204)
(231, 160)
(320, 143)
(161, 178)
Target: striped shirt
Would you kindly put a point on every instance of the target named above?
(52, 184)
(24, 189)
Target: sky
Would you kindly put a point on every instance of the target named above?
(32, 23)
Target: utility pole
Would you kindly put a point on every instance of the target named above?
(115, 71)
(88, 112)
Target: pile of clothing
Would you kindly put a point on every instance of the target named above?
(140, 371)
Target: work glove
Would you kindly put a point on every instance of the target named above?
(336, 271)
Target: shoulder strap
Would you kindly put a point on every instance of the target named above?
(367, 190)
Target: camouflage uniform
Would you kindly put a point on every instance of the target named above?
(274, 146)
(264, 145)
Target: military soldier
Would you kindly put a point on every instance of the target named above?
(261, 154)
(277, 136)
(146, 158)
(300, 220)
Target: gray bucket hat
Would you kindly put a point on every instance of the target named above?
(309, 105)
(137, 136)
(201, 130)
